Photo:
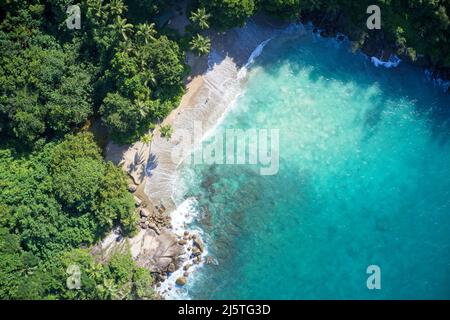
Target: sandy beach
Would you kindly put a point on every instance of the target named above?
(213, 85)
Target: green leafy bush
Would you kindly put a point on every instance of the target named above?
(166, 131)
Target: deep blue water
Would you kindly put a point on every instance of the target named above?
(364, 179)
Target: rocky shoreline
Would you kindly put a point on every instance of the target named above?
(377, 45)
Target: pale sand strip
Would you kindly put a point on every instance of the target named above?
(205, 101)
(192, 89)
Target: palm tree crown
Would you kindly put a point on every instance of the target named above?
(146, 32)
(200, 17)
(123, 27)
(116, 7)
(200, 44)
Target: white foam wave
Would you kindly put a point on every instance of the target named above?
(392, 62)
(182, 219)
(213, 58)
(256, 53)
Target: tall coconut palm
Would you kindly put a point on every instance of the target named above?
(116, 7)
(94, 8)
(123, 27)
(146, 32)
(126, 46)
(124, 291)
(142, 108)
(200, 44)
(200, 18)
(147, 138)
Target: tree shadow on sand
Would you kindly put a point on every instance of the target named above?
(152, 163)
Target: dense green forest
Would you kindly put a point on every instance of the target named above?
(57, 194)
(126, 72)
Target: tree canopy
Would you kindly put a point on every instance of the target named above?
(63, 196)
(52, 201)
(229, 13)
(45, 91)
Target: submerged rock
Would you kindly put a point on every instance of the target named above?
(161, 208)
(211, 260)
(181, 281)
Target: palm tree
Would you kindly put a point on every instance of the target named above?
(142, 107)
(117, 7)
(124, 291)
(95, 271)
(95, 8)
(146, 32)
(149, 77)
(147, 138)
(166, 131)
(123, 27)
(126, 46)
(142, 58)
(200, 44)
(200, 18)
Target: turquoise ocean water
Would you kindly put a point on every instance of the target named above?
(364, 178)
